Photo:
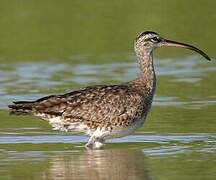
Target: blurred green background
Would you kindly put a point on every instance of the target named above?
(33, 30)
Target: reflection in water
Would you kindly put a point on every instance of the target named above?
(100, 164)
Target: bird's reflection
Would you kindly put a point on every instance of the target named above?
(101, 164)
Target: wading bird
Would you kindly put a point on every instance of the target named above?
(105, 111)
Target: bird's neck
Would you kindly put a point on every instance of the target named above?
(146, 81)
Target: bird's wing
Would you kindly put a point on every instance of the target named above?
(96, 105)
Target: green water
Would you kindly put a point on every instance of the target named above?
(50, 47)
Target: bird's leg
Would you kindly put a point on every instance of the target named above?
(95, 142)
(90, 143)
(99, 143)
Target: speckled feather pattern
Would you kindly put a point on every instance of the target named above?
(98, 106)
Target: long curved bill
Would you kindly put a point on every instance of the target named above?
(170, 43)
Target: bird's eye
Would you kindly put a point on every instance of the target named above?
(155, 39)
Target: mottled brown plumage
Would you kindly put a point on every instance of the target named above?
(105, 112)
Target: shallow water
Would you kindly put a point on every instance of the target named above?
(52, 48)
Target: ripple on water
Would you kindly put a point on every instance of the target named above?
(168, 144)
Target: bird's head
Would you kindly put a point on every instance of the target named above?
(148, 41)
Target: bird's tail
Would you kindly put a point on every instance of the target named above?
(21, 107)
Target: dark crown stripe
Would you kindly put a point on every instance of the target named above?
(144, 33)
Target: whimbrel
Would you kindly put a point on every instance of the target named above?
(108, 111)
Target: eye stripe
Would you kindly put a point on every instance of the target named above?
(154, 39)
